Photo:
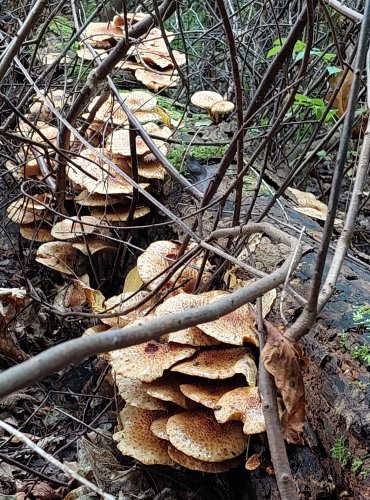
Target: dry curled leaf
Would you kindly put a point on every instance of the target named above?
(284, 360)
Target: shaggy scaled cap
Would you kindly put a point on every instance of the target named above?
(136, 439)
(243, 403)
(220, 110)
(207, 393)
(58, 255)
(253, 462)
(158, 428)
(148, 361)
(31, 232)
(205, 99)
(198, 434)
(220, 364)
(122, 302)
(133, 392)
(167, 389)
(200, 465)
(68, 229)
(155, 81)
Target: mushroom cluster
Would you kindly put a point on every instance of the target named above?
(191, 397)
(150, 60)
(214, 104)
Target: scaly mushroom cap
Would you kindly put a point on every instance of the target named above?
(58, 255)
(87, 199)
(118, 143)
(234, 328)
(118, 214)
(193, 464)
(102, 34)
(205, 99)
(167, 390)
(121, 302)
(93, 244)
(133, 392)
(85, 54)
(25, 210)
(253, 462)
(140, 101)
(190, 336)
(158, 428)
(156, 81)
(243, 403)
(207, 393)
(220, 364)
(132, 18)
(108, 181)
(69, 296)
(222, 108)
(149, 168)
(198, 434)
(68, 229)
(147, 362)
(158, 257)
(137, 441)
(36, 233)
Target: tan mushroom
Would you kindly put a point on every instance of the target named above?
(198, 434)
(167, 389)
(102, 35)
(158, 257)
(69, 296)
(207, 393)
(94, 244)
(85, 54)
(149, 168)
(205, 99)
(118, 214)
(200, 465)
(137, 441)
(220, 364)
(69, 229)
(132, 18)
(243, 403)
(87, 199)
(41, 234)
(118, 143)
(220, 110)
(190, 336)
(158, 428)
(58, 255)
(139, 101)
(26, 210)
(93, 330)
(120, 303)
(133, 392)
(253, 462)
(148, 361)
(156, 81)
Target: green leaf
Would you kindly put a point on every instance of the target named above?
(333, 70)
(273, 51)
(329, 57)
(322, 153)
(299, 46)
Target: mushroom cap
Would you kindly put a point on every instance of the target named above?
(190, 336)
(148, 361)
(140, 101)
(26, 210)
(87, 199)
(253, 462)
(122, 302)
(118, 143)
(58, 255)
(158, 428)
(132, 18)
(222, 108)
(243, 403)
(167, 390)
(93, 330)
(200, 465)
(198, 434)
(233, 328)
(206, 392)
(149, 168)
(128, 65)
(158, 257)
(69, 296)
(156, 81)
(101, 179)
(93, 244)
(133, 392)
(220, 364)
(205, 99)
(35, 233)
(68, 229)
(94, 298)
(102, 34)
(137, 441)
(118, 214)
(85, 54)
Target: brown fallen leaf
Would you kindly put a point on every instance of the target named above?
(284, 360)
(341, 99)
